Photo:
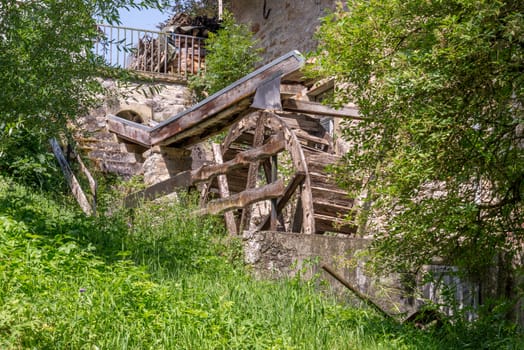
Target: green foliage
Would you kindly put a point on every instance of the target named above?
(163, 281)
(48, 73)
(441, 153)
(231, 54)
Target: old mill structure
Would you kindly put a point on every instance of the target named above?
(256, 151)
(275, 150)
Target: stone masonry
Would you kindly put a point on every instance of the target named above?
(284, 26)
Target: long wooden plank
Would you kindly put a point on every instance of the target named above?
(209, 126)
(71, 179)
(191, 177)
(224, 191)
(93, 185)
(320, 109)
(242, 199)
(225, 98)
(134, 132)
(244, 158)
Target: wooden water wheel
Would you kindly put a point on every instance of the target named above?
(270, 187)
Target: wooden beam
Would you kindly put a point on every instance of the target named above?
(321, 87)
(290, 90)
(276, 145)
(130, 131)
(223, 189)
(242, 199)
(355, 291)
(92, 182)
(290, 189)
(320, 109)
(71, 179)
(252, 173)
(191, 177)
(199, 132)
(225, 98)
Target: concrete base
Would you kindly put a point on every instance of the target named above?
(279, 254)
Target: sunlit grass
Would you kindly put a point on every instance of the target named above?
(159, 278)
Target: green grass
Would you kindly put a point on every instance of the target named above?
(158, 278)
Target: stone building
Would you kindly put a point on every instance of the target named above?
(282, 26)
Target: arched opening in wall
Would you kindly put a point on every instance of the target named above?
(131, 115)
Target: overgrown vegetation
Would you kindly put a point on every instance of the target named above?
(161, 278)
(440, 156)
(231, 54)
(49, 75)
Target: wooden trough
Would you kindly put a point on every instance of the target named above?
(270, 171)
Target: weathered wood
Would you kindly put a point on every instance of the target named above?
(321, 87)
(332, 209)
(93, 186)
(320, 109)
(323, 180)
(355, 291)
(131, 131)
(249, 157)
(335, 196)
(274, 172)
(299, 163)
(252, 173)
(241, 89)
(224, 191)
(289, 90)
(298, 216)
(331, 224)
(192, 134)
(303, 122)
(160, 189)
(303, 135)
(283, 201)
(242, 199)
(190, 177)
(73, 183)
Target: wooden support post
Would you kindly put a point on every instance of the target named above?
(282, 202)
(252, 174)
(71, 179)
(223, 188)
(274, 172)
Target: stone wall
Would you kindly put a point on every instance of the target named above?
(155, 102)
(143, 102)
(285, 25)
(277, 254)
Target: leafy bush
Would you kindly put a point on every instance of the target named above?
(231, 54)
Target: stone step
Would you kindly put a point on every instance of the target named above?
(120, 168)
(115, 156)
(101, 146)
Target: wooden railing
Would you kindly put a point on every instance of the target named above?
(150, 51)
